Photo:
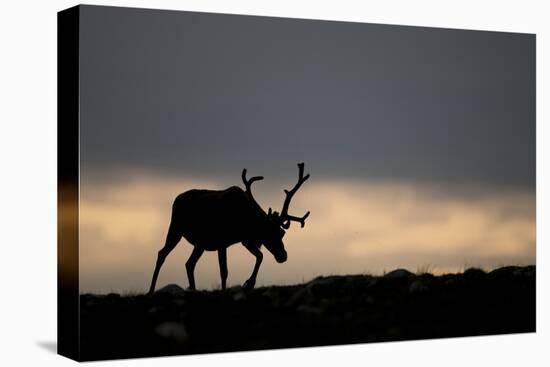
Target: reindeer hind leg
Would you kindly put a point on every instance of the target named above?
(172, 239)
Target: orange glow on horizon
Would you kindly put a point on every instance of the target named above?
(355, 227)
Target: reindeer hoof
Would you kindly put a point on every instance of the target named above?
(249, 284)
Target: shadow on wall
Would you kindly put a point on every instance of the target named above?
(50, 346)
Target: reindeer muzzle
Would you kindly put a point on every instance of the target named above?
(281, 258)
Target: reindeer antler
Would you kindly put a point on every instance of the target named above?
(285, 218)
(248, 184)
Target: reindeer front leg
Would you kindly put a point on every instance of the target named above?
(254, 249)
(222, 258)
(190, 266)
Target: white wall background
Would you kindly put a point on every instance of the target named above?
(28, 182)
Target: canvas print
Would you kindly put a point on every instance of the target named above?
(236, 183)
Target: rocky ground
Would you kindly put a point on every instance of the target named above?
(327, 310)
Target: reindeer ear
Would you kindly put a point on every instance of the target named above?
(269, 211)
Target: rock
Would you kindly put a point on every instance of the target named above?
(301, 296)
(309, 310)
(172, 330)
(451, 280)
(270, 293)
(369, 300)
(528, 271)
(372, 282)
(321, 286)
(325, 281)
(356, 283)
(418, 286)
(88, 300)
(474, 273)
(506, 271)
(179, 302)
(240, 296)
(312, 292)
(275, 296)
(399, 274)
(172, 289)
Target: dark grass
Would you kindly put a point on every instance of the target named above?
(325, 311)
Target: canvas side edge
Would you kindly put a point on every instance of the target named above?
(68, 183)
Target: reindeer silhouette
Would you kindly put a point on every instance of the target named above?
(213, 220)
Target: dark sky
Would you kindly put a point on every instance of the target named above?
(195, 93)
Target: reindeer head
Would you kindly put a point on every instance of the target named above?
(273, 230)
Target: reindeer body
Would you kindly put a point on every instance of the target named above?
(213, 220)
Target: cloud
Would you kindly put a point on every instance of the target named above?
(352, 100)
